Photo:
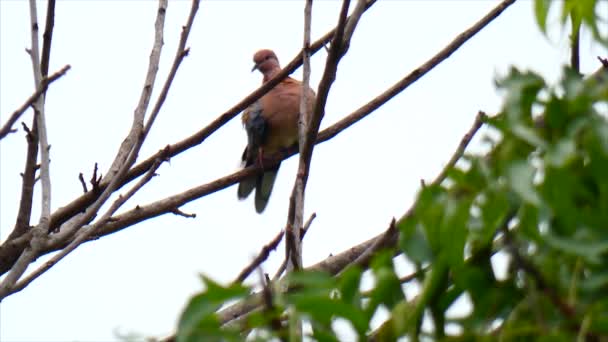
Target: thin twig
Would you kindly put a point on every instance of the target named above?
(293, 245)
(41, 89)
(310, 132)
(180, 54)
(413, 76)
(47, 37)
(283, 266)
(22, 223)
(575, 43)
(386, 240)
(480, 118)
(260, 258)
(82, 182)
(269, 306)
(178, 212)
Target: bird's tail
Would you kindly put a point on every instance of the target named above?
(264, 185)
(247, 185)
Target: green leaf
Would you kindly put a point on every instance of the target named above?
(454, 229)
(349, 285)
(520, 175)
(387, 289)
(199, 321)
(589, 250)
(528, 135)
(415, 245)
(541, 10)
(324, 309)
(563, 152)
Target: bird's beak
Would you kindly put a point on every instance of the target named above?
(255, 67)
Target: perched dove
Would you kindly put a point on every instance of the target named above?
(272, 126)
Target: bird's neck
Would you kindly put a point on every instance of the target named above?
(270, 74)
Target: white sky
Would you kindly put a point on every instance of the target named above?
(138, 280)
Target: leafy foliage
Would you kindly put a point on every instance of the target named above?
(536, 204)
(579, 11)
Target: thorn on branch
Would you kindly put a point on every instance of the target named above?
(185, 52)
(604, 61)
(82, 181)
(95, 180)
(30, 135)
(178, 212)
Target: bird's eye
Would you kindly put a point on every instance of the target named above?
(267, 57)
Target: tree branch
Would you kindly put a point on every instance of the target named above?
(47, 37)
(260, 258)
(28, 179)
(41, 89)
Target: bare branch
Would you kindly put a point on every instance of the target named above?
(293, 243)
(127, 153)
(180, 54)
(386, 240)
(258, 260)
(575, 43)
(283, 266)
(82, 182)
(415, 75)
(47, 37)
(178, 212)
(41, 89)
(28, 180)
(480, 118)
(309, 132)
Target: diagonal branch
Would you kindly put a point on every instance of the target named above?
(180, 54)
(260, 258)
(41, 89)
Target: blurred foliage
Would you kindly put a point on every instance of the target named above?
(520, 231)
(580, 12)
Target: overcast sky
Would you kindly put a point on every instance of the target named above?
(138, 280)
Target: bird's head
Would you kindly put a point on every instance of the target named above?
(266, 62)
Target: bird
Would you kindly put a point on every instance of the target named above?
(271, 124)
